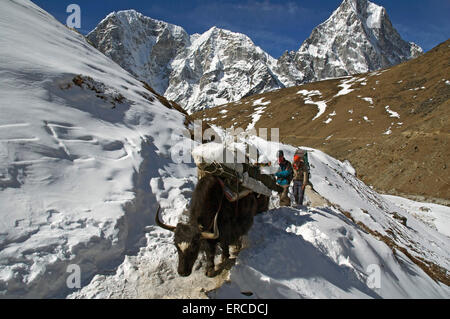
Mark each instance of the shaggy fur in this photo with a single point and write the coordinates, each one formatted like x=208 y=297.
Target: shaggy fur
x=234 y=221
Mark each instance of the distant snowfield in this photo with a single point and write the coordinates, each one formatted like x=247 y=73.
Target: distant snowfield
x=84 y=167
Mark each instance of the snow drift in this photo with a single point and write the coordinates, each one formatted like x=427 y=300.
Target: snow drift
x=80 y=139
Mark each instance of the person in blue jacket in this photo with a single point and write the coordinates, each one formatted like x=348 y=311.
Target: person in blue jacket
x=284 y=177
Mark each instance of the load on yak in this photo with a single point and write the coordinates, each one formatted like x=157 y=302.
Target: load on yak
x=229 y=193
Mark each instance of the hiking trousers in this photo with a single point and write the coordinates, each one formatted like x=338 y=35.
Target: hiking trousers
x=298 y=192
x=284 y=196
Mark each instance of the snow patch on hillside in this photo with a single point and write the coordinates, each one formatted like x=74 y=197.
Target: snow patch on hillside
x=345 y=87
x=391 y=113
x=333 y=258
x=321 y=105
x=259 y=111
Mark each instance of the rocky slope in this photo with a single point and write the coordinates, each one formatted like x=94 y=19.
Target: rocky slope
x=219 y=66
x=142 y=46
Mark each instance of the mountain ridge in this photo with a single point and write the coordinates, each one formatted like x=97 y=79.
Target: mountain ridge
x=232 y=66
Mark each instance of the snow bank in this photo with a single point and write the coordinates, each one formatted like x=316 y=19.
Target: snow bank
x=328 y=258
x=259 y=111
x=80 y=139
x=86 y=159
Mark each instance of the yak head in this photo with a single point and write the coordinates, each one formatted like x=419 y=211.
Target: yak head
x=187 y=241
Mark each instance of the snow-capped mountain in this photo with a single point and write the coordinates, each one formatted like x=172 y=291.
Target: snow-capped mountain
x=143 y=46
x=197 y=72
x=221 y=66
x=357 y=38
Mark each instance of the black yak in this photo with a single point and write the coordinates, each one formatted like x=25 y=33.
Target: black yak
x=213 y=220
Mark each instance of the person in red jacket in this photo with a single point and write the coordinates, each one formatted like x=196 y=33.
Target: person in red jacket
x=300 y=177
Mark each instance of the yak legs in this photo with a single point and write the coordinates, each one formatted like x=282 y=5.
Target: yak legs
x=228 y=257
x=210 y=251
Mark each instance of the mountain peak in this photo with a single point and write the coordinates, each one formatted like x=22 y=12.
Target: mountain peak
x=357 y=38
x=357 y=6
x=367 y=12
x=141 y=45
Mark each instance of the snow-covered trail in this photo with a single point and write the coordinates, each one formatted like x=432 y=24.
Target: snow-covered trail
x=151 y=274
x=312 y=252
x=330 y=258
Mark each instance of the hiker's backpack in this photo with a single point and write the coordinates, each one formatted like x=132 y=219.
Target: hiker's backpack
x=304 y=153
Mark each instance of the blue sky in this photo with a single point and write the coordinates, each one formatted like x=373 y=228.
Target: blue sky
x=274 y=25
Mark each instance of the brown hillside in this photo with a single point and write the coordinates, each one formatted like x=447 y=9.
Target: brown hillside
x=407 y=156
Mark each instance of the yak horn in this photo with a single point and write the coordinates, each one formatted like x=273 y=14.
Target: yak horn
x=215 y=235
x=162 y=225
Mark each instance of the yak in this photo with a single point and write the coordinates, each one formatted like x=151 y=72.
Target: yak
x=213 y=220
